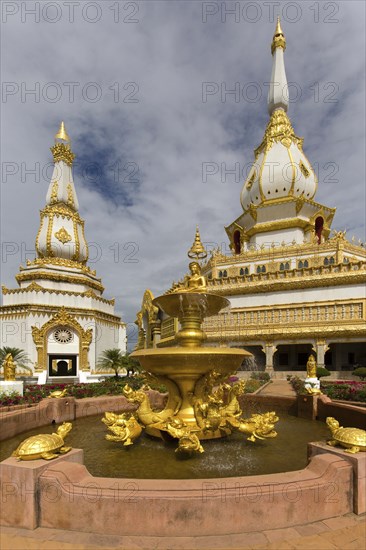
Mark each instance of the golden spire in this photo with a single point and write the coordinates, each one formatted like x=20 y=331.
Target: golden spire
x=62 y=134
x=62 y=151
x=279 y=40
x=197 y=249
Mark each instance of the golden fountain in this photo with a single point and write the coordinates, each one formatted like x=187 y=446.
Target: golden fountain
x=201 y=404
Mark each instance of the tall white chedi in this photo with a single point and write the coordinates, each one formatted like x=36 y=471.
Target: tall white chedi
x=61 y=234
x=58 y=314
x=277 y=197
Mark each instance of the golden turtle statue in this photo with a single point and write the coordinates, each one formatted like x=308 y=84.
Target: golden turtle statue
x=57 y=394
x=352 y=439
x=46 y=446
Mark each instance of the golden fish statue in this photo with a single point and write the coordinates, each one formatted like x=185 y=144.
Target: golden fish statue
x=46 y=446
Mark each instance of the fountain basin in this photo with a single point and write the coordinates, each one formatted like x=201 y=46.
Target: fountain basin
x=179 y=361
x=184 y=367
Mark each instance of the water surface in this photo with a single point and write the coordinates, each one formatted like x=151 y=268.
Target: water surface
x=151 y=458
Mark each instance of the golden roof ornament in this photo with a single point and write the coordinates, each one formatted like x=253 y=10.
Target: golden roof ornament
x=62 y=134
x=197 y=250
x=279 y=40
x=62 y=151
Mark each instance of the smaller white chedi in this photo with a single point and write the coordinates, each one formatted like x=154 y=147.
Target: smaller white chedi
x=60 y=316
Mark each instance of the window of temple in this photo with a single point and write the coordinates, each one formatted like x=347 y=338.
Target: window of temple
x=220 y=273
x=284 y=266
x=301 y=264
x=346 y=260
x=261 y=268
x=237 y=243
x=319 y=225
x=331 y=260
x=326 y=261
x=306 y=263
x=224 y=273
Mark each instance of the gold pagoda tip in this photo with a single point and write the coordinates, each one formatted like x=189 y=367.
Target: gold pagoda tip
x=278 y=26
x=279 y=40
x=62 y=134
x=197 y=249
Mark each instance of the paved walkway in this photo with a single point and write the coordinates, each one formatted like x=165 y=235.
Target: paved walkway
x=344 y=533
x=278 y=387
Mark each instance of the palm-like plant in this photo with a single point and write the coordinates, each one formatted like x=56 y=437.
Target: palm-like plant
x=20 y=357
x=115 y=360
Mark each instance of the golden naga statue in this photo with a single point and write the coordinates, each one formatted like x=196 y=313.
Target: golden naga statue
x=124 y=427
x=9 y=367
x=258 y=426
x=352 y=440
x=46 y=446
x=188 y=440
x=311 y=367
x=144 y=411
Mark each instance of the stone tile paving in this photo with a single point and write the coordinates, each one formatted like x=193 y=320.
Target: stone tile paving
x=346 y=533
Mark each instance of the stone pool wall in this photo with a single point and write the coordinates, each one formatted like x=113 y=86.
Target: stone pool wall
x=63 y=495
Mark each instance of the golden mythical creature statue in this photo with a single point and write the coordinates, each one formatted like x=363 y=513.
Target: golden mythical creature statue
x=57 y=394
x=9 y=367
x=144 y=411
x=352 y=439
x=46 y=446
x=188 y=440
x=124 y=427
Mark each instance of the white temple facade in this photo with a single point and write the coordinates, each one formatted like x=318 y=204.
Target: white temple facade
x=295 y=286
x=58 y=314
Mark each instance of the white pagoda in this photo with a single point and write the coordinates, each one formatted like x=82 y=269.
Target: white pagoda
x=58 y=314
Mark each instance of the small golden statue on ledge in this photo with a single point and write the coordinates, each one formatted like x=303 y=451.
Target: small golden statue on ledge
x=312 y=382
x=9 y=367
x=311 y=367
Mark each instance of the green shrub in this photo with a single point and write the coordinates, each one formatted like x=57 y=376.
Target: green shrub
x=322 y=371
x=360 y=372
x=298 y=384
x=260 y=375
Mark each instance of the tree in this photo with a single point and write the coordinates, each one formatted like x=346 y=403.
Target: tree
x=20 y=357
x=115 y=360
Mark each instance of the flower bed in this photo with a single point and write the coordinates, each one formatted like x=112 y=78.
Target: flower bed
x=345 y=390
x=342 y=390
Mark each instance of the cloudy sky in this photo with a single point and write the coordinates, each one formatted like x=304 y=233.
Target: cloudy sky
x=143 y=90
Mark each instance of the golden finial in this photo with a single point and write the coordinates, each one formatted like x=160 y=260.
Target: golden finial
x=62 y=151
x=62 y=134
x=197 y=249
x=279 y=40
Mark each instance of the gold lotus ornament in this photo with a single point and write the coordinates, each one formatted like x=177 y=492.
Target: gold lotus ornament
x=63 y=236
